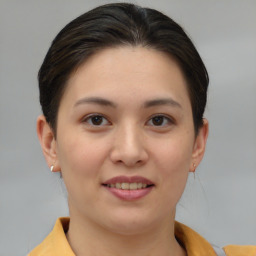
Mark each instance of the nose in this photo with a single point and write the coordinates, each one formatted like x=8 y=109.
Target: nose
x=128 y=146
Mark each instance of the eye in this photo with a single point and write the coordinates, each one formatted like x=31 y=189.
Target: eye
x=96 y=120
x=160 y=120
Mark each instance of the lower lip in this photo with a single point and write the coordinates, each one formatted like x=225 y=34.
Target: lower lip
x=129 y=195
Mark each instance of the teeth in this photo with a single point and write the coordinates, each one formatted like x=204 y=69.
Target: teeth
x=127 y=186
x=133 y=186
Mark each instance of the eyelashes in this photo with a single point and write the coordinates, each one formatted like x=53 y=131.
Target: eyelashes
x=96 y=120
x=99 y=120
x=160 y=121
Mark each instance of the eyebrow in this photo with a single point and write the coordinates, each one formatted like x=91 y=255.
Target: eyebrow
x=159 y=102
x=95 y=100
x=147 y=104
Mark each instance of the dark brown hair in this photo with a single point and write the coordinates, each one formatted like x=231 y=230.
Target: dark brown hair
x=115 y=25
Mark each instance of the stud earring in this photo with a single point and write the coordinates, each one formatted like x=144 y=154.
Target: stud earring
x=52 y=167
x=194 y=170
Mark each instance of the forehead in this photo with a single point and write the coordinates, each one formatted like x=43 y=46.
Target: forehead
x=125 y=71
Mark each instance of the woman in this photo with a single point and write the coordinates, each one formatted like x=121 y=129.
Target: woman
x=123 y=92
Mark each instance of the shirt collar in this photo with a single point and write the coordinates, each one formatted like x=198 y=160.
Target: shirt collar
x=56 y=242
x=192 y=242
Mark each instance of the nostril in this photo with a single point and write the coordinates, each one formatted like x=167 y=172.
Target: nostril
x=128 y=154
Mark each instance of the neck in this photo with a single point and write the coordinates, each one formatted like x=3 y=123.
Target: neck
x=87 y=238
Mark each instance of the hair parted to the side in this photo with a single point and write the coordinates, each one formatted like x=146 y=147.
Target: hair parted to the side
x=112 y=25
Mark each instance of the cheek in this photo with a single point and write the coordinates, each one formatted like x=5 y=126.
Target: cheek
x=175 y=170
x=173 y=161
x=174 y=155
x=81 y=162
x=81 y=157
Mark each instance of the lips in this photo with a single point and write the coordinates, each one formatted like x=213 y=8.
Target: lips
x=129 y=188
x=132 y=179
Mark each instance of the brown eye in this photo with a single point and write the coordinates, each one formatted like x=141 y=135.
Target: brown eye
x=96 y=120
x=157 y=120
x=160 y=120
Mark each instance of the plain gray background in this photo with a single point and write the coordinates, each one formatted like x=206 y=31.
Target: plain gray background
x=220 y=203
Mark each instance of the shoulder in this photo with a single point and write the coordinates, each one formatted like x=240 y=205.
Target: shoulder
x=195 y=244
x=240 y=250
x=55 y=244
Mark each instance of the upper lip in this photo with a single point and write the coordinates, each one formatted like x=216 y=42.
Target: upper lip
x=127 y=179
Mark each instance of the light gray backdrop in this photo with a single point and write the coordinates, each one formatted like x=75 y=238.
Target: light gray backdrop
x=220 y=203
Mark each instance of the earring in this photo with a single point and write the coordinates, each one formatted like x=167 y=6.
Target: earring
x=194 y=170
x=52 y=167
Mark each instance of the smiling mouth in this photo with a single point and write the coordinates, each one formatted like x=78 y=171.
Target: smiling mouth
x=128 y=186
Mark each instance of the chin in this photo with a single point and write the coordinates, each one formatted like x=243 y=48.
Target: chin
x=129 y=224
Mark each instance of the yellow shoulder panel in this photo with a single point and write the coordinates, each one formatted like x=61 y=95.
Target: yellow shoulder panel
x=240 y=250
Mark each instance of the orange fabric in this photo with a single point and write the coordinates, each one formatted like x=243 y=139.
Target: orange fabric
x=240 y=250
x=194 y=244
x=56 y=244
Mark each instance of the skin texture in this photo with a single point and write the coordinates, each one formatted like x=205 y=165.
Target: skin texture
x=127 y=141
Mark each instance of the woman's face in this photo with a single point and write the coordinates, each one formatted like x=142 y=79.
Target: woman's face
x=125 y=122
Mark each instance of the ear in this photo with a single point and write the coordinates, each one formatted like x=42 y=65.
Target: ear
x=48 y=142
x=199 y=146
